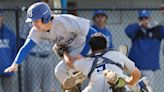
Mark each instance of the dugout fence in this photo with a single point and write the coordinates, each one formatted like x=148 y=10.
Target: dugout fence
x=118 y=19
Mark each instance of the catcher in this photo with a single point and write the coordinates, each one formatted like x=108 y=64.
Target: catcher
x=104 y=68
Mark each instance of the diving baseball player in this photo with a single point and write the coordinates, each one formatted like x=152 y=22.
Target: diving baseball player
x=106 y=65
x=64 y=29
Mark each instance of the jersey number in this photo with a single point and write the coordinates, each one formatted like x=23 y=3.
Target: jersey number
x=100 y=68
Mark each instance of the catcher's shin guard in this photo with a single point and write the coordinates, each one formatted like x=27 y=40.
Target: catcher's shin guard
x=145 y=85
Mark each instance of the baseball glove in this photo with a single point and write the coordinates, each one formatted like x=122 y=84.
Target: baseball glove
x=73 y=80
x=113 y=79
x=59 y=49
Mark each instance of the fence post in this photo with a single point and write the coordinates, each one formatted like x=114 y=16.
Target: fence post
x=18 y=40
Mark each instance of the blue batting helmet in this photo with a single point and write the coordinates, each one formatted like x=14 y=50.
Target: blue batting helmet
x=143 y=13
x=39 y=10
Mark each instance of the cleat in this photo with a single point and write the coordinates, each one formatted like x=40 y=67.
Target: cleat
x=145 y=85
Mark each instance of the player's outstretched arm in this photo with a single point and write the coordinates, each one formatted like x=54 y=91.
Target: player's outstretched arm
x=12 y=68
x=25 y=49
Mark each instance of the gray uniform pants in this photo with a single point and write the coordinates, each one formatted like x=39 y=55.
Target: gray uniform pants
x=9 y=84
x=40 y=76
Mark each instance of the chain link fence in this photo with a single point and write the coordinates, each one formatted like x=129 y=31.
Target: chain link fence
x=118 y=19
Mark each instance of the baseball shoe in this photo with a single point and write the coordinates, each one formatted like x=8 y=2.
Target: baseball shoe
x=123 y=49
x=145 y=85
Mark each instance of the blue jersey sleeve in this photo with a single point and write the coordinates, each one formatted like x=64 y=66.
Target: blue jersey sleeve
x=111 y=42
x=24 y=50
x=162 y=31
x=109 y=37
x=131 y=30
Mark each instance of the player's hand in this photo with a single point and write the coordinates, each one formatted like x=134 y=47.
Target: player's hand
x=143 y=24
x=128 y=79
x=68 y=59
x=59 y=49
x=12 y=68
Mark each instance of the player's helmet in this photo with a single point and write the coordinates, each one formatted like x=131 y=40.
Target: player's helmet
x=39 y=10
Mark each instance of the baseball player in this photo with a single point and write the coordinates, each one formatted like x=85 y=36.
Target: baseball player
x=38 y=62
x=100 y=19
x=110 y=60
x=64 y=29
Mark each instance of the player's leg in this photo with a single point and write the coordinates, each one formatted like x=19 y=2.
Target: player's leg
x=150 y=75
x=123 y=49
x=10 y=84
x=146 y=82
x=34 y=73
x=61 y=71
x=145 y=85
x=48 y=80
x=1 y=86
x=141 y=86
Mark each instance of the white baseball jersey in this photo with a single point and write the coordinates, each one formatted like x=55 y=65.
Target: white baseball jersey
x=66 y=29
x=115 y=56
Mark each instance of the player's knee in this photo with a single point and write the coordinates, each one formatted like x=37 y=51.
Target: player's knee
x=58 y=70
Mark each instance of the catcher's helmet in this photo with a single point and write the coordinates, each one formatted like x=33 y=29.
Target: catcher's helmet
x=39 y=10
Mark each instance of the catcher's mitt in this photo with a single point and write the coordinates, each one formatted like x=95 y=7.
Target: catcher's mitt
x=113 y=79
x=59 y=49
x=73 y=80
